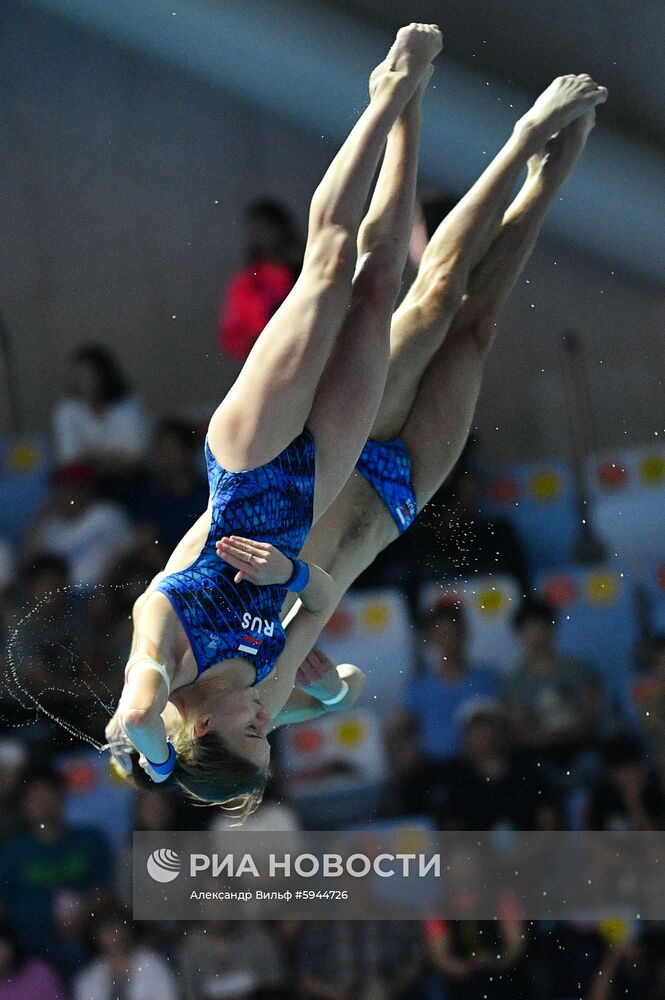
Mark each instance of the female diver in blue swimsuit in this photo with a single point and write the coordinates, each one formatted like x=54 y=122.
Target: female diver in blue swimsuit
x=201 y=685
x=440 y=340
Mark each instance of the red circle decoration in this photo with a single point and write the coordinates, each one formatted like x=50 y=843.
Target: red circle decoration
x=612 y=475
x=504 y=492
x=340 y=624
x=80 y=777
x=561 y=591
x=307 y=740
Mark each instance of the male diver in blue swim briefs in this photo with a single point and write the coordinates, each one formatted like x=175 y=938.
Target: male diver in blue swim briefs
x=441 y=337
x=202 y=685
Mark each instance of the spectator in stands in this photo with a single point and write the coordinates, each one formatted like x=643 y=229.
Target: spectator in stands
x=255 y=293
x=478 y=958
x=633 y=966
x=553 y=701
x=153 y=810
x=563 y=958
x=346 y=960
x=628 y=795
x=110 y=612
x=124 y=968
x=23 y=977
x=57 y=632
x=77 y=526
x=172 y=495
x=649 y=692
x=428 y=725
x=99 y=421
x=487 y=786
x=50 y=876
x=230 y=959
x=13 y=764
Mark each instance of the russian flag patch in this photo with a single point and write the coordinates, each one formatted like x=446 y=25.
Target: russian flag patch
x=249 y=644
x=405 y=512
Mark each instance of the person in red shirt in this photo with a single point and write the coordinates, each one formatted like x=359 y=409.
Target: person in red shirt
x=256 y=292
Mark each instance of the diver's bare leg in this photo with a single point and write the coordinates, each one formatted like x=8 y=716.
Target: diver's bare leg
x=352 y=385
x=272 y=397
x=460 y=242
x=446 y=399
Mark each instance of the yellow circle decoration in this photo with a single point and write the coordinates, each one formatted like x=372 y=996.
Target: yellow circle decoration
x=602 y=588
x=350 y=733
x=546 y=486
x=491 y=601
x=615 y=931
x=410 y=840
x=23 y=458
x=652 y=470
x=376 y=616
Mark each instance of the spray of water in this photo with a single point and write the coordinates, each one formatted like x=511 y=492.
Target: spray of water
x=82 y=684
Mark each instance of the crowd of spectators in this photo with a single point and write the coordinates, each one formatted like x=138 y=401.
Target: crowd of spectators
x=470 y=747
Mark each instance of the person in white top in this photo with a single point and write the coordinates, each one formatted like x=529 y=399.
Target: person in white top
x=100 y=422
x=124 y=968
x=90 y=534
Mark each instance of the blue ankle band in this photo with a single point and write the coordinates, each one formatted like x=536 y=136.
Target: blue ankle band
x=299 y=578
x=167 y=765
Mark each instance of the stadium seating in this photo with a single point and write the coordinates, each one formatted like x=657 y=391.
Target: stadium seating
x=627 y=488
x=597 y=619
x=373 y=629
x=336 y=766
x=95 y=796
x=490 y=603
x=24 y=474
x=539 y=501
x=652 y=580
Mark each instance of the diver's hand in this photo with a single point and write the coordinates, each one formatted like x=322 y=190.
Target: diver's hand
x=114 y=732
x=318 y=676
x=258 y=562
x=117 y=741
x=152 y=774
x=145 y=730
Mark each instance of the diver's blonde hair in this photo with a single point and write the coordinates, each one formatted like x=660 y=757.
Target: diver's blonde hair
x=210 y=774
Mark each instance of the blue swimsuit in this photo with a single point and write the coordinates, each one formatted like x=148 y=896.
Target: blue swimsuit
x=273 y=503
x=386 y=465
